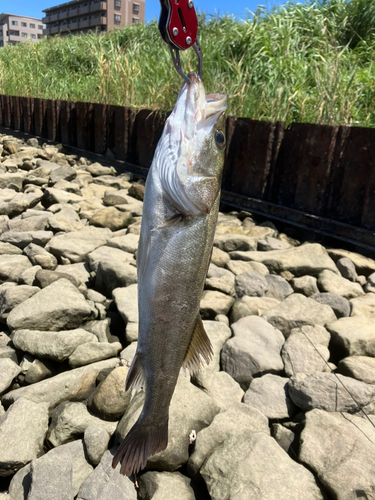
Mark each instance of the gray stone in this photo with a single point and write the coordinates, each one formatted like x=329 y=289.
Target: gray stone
x=11 y=147
x=53 y=195
x=369 y=286
x=80 y=272
x=214 y=303
x=65 y=173
x=218 y=272
x=219 y=257
x=183 y=417
x=107 y=253
x=12 y=267
x=347 y=269
x=111 y=218
x=126 y=300
x=233 y=242
x=58 y=306
x=9 y=249
x=253 y=351
x=126 y=243
x=306 y=350
x=13 y=296
x=99 y=328
x=119 y=197
x=340 y=305
x=364 y=305
x=95 y=296
x=353 y=336
x=239 y=266
x=9 y=371
x=114 y=274
x=307 y=285
x=251 y=306
x=270 y=243
x=254 y=467
x=40 y=257
x=44 y=277
x=65 y=220
x=252 y=284
x=238 y=420
x=223 y=284
x=57 y=346
x=13 y=203
x=96 y=169
x=22 y=431
x=309 y=258
x=269 y=395
x=283 y=436
x=12 y=181
x=339 y=449
x=328 y=281
x=363 y=265
x=23 y=238
x=28 y=276
x=85 y=354
x=77 y=244
x=51 y=478
x=96 y=440
x=277 y=287
x=34 y=370
x=77 y=384
x=37 y=222
x=329 y=392
x=298 y=310
x=19 y=486
x=7 y=352
x=106 y=483
x=221 y=388
x=165 y=486
x=70 y=187
x=359 y=367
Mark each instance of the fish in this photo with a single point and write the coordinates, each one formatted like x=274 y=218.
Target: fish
x=180 y=211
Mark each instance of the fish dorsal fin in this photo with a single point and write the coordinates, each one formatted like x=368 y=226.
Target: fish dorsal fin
x=135 y=378
x=199 y=350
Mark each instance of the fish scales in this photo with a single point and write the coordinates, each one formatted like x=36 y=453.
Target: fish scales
x=180 y=212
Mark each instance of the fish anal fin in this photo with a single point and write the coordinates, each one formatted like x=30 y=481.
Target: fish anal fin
x=199 y=350
x=135 y=377
x=140 y=443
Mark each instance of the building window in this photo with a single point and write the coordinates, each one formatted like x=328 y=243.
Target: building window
x=117 y=18
x=1 y=43
x=40 y=26
x=24 y=35
x=40 y=36
x=33 y=36
x=1 y=32
x=14 y=23
x=135 y=20
x=14 y=33
x=135 y=9
x=117 y=4
x=24 y=25
x=32 y=25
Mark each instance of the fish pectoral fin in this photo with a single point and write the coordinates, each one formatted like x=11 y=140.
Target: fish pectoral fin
x=199 y=350
x=135 y=378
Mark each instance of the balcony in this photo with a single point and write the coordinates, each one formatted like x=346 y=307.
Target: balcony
x=97 y=21
x=64 y=28
x=63 y=15
x=73 y=25
x=95 y=6
x=47 y=31
x=84 y=24
x=46 y=19
x=54 y=30
x=73 y=11
x=54 y=17
x=84 y=9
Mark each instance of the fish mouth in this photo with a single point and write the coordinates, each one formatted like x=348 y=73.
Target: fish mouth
x=209 y=105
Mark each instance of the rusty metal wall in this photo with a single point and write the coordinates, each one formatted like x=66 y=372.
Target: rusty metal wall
x=316 y=176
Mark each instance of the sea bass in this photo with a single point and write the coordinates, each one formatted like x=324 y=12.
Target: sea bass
x=180 y=211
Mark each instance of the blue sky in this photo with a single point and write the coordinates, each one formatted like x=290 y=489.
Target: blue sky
x=33 y=8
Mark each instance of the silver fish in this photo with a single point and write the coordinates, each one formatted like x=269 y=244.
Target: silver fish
x=179 y=217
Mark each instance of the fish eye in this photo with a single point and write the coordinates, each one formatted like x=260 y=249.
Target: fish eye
x=220 y=139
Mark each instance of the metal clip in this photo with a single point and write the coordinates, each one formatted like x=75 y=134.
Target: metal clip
x=178 y=26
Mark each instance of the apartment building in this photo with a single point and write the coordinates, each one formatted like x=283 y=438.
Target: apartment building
x=80 y=16
x=18 y=29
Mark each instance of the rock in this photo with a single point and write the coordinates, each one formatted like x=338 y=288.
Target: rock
x=99 y=328
x=363 y=265
x=347 y=269
x=127 y=354
x=28 y=276
x=114 y=274
x=328 y=281
x=214 y=303
x=38 y=256
x=95 y=169
x=7 y=352
x=96 y=440
x=12 y=267
x=77 y=384
x=353 y=336
x=58 y=306
x=309 y=258
x=359 y=367
x=70 y=187
x=13 y=296
x=65 y=173
x=298 y=310
x=34 y=370
x=251 y=306
x=306 y=350
x=22 y=431
x=137 y=190
x=126 y=300
x=110 y=400
x=223 y=284
x=65 y=220
x=307 y=285
x=106 y=483
x=70 y=420
x=119 y=197
x=238 y=420
x=165 y=486
x=370 y=285
x=107 y=253
x=277 y=287
x=11 y=147
x=127 y=243
x=329 y=392
x=111 y=218
x=221 y=388
x=9 y=249
x=269 y=395
x=251 y=284
x=45 y=277
x=80 y=273
x=15 y=203
x=76 y=245
x=53 y=195
x=338 y=448
x=57 y=346
x=340 y=305
x=43 y=487
x=219 y=257
x=37 y=222
x=23 y=238
x=233 y=242
x=253 y=351
x=239 y=266
x=270 y=243
x=12 y=181
x=85 y=354
x=253 y=467
x=284 y=437
x=364 y=306
x=9 y=371
x=183 y=417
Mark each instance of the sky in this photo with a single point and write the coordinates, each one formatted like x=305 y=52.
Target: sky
x=33 y=8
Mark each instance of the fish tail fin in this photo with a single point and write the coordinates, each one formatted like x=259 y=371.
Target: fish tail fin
x=141 y=442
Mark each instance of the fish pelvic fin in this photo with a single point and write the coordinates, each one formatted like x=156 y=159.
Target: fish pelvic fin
x=141 y=442
x=199 y=350
x=135 y=378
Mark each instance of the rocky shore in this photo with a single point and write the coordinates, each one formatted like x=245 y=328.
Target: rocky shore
x=285 y=410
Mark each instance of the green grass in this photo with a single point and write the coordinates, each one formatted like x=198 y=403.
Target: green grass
x=312 y=62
